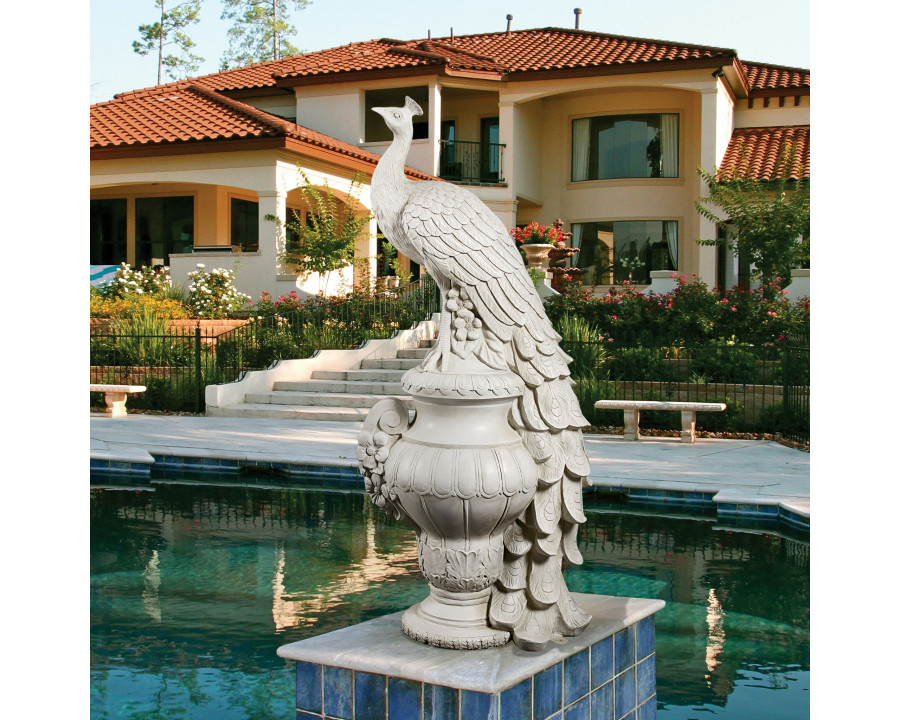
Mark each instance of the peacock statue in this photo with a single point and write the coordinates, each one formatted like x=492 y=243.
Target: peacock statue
x=491 y=312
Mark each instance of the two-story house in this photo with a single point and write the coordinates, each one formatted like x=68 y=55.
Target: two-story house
x=603 y=131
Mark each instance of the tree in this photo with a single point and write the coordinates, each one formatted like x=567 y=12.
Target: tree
x=260 y=31
x=327 y=240
x=170 y=30
x=770 y=218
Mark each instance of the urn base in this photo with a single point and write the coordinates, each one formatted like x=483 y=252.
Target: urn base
x=453 y=620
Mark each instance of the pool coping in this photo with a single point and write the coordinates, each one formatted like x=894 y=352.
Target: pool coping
x=732 y=506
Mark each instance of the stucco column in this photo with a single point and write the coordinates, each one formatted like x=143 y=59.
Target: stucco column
x=434 y=122
x=271 y=234
x=716 y=121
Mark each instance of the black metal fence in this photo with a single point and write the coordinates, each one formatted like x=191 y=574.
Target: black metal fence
x=765 y=388
x=176 y=364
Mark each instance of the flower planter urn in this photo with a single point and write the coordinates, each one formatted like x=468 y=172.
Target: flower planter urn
x=537 y=254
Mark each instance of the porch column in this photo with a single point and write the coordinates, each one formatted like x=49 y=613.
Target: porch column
x=434 y=122
x=717 y=114
x=271 y=235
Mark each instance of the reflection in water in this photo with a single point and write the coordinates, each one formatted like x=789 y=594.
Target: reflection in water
x=194 y=587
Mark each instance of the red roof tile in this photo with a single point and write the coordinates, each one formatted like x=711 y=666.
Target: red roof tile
x=755 y=152
x=514 y=52
x=761 y=77
x=186 y=111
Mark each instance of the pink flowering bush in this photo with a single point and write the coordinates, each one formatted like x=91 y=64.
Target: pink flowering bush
x=690 y=315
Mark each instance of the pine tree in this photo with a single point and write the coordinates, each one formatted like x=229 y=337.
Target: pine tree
x=169 y=31
x=260 y=31
x=770 y=218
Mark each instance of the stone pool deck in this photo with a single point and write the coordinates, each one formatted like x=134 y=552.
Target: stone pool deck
x=739 y=478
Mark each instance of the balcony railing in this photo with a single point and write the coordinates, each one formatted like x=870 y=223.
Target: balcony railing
x=472 y=163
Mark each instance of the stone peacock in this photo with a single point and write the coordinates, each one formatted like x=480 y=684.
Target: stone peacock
x=493 y=315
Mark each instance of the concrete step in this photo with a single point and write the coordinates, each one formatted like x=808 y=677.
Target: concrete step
x=317 y=399
x=419 y=352
x=392 y=376
x=340 y=386
x=294 y=412
x=390 y=364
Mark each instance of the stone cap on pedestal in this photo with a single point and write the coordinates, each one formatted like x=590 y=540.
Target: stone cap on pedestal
x=379 y=646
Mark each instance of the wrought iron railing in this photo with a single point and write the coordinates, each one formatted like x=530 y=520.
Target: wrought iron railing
x=176 y=365
x=472 y=163
x=751 y=381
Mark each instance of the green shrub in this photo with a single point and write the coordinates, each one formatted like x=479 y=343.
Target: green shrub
x=726 y=361
x=585 y=345
x=640 y=363
x=732 y=419
x=213 y=295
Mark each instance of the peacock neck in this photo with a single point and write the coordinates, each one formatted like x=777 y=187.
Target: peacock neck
x=389 y=180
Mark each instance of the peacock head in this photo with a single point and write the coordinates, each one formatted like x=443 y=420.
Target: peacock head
x=399 y=119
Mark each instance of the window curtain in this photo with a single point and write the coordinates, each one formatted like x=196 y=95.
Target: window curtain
x=670 y=228
x=581 y=130
x=668 y=125
x=577 y=230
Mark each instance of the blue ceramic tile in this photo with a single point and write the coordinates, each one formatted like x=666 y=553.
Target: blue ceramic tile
x=625 y=693
x=646 y=637
x=576 y=676
x=515 y=703
x=440 y=703
x=338 y=692
x=309 y=686
x=601 y=662
x=547 y=692
x=629 y=716
x=624 y=642
x=603 y=701
x=301 y=715
x=477 y=706
x=369 y=696
x=646 y=678
x=580 y=710
x=404 y=699
x=647 y=711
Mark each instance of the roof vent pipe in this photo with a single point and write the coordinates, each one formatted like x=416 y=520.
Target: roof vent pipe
x=577 y=18
x=429 y=33
x=508 y=23
x=451 y=34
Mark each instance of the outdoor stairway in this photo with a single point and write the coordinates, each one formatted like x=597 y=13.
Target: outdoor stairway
x=339 y=396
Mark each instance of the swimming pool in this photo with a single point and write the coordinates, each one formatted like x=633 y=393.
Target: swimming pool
x=194 y=586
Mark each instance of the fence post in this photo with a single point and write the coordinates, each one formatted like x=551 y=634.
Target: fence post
x=197 y=369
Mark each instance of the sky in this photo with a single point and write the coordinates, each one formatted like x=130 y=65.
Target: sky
x=115 y=67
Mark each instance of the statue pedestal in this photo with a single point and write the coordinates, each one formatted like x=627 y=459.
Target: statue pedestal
x=373 y=671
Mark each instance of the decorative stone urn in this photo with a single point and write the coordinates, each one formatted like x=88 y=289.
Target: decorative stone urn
x=537 y=254
x=459 y=475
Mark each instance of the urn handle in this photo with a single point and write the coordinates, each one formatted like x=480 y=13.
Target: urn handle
x=382 y=428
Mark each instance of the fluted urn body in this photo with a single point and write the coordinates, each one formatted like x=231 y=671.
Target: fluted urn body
x=460 y=475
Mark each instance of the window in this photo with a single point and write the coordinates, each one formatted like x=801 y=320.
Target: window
x=625 y=146
x=108 y=235
x=490 y=148
x=377 y=130
x=245 y=224
x=612 y=252
x=163 y=225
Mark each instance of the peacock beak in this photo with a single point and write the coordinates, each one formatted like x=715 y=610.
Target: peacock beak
x=381 y=111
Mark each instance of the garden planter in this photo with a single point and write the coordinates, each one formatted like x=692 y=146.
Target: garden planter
x=537 y=254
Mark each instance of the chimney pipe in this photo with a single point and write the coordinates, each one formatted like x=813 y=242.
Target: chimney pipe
x=508 y=23
x=429 y=33
x=577 y=18
x=451 y=34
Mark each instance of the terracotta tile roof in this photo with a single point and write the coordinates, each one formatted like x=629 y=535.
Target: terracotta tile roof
x=756 y=150
x=185 y=112
x=761 y=77
x=515 y=52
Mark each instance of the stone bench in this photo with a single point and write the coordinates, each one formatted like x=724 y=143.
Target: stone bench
x=115 y=396
x=633 y=409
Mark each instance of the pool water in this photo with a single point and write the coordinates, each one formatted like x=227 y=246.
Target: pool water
x=195 y=586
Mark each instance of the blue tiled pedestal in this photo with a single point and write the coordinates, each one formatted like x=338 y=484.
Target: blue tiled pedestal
x=372 y=671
